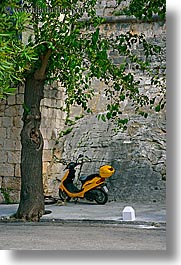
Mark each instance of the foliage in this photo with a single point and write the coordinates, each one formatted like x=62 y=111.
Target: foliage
x=62 y=133
x=15 y=57
x=146 y=9
x=5 y=192
x=70 y=31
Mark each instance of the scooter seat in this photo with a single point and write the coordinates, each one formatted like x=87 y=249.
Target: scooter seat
x=82 y=178
x=85 y=178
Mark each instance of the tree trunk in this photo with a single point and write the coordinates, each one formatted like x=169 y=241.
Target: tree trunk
x=31 y=205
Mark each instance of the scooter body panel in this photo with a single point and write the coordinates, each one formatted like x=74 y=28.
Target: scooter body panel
x=88 y=185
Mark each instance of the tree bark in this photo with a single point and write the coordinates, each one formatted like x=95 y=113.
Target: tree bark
x=31 y=205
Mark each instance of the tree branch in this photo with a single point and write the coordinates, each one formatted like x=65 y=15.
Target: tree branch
x=40 y=73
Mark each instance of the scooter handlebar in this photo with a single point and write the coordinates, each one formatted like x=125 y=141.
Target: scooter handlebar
x=72 y=165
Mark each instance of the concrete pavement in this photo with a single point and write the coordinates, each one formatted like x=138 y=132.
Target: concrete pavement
x=82 y=211
x=80 y=236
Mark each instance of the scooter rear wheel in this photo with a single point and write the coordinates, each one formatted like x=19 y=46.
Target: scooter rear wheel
x=63 y=196
x=100 y=196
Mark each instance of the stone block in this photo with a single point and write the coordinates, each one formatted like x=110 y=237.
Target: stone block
x=45 y=167
x=9 y=145
x=21 y=89
x=111 y=3
x=100 y=12
x=7 y=170
x=14 y=196
x=1 y=178
x=17 y=122
x=44 y=112
x=17 y=145
x=1 y=144
x=45 y=144
x=14 y=157
x=13 y=133
x=58 y=123
x=3 y=156
x=43 y=130
x=57 y=169
x=53 y=103
x=11 y=111
x=48 y=144
x=11 y=100
x=60 y=103
x=12 y=183
x=46 y=102
x=17 y=170
x=49 y=133
x=19 y=99
x=2 y=133
x=47 y=155
x=128 y=214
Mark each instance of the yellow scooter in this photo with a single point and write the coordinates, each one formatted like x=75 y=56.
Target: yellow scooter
x=93 y=187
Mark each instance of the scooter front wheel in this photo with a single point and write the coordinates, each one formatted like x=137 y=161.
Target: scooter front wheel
x=100 y=196
x=63 y=196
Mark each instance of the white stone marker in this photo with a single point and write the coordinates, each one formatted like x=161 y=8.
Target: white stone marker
x=128 y=213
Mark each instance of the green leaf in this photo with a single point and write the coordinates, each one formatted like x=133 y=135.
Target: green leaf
x=26 y=109
x=157 y=108
x=103 y=117
x=123 y=121
x=109 y=115
x=95 y=36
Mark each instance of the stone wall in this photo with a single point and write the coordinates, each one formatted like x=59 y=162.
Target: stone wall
x=11 y=112
x=10 y=127
x=138 y=155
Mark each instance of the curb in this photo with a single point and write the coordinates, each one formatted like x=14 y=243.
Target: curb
x=96 y=222
x=104 y=222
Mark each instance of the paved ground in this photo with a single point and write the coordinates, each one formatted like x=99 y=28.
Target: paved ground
x=86 y=226
x=82 y=211
x=79 y=236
